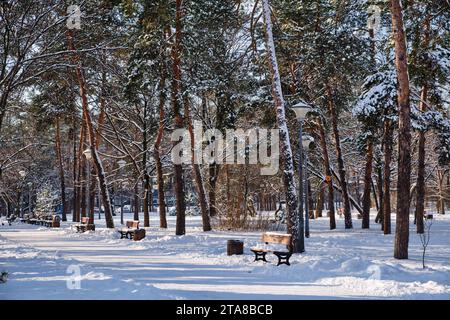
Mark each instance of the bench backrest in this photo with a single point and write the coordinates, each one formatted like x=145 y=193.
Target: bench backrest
x=86 y=220
x=132 y=224
x=277 y=238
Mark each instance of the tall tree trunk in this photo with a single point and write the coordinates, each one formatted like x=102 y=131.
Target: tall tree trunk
x=80 y=165
x=87 y=116
x=61 y=170
x=328 y=174
x=441 y=198
x=285 y=144
x=147 y=199
x=212 y=170
x=196 y=170
x=19 y=204
x=156 y=151
x=404 y=133
x=387 y=143
x=319 y=204
x=420 y=187
x=147 y=185
x=84 y=187
x=180 y=228
x=92 y=192
x=366 y=202
x=375 y=197
x=98 y=140
x=340 y=160
x=380 y=213
x=136 y=202
x=74 y=176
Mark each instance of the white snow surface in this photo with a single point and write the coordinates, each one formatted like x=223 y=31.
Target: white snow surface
x=338 y=264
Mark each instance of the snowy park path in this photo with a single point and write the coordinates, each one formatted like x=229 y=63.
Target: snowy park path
x=338 y=264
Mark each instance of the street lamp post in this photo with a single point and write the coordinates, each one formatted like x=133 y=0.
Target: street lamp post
x=121 y=164
x=306 y=143
x=22 y=174
x=29 y=184
x=300 y=109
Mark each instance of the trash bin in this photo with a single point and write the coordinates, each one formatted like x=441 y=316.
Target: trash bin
x=56 y=221
x=235 y=247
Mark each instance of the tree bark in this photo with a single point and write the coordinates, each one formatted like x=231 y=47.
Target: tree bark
x=156 y=152
x=212 y=174
x=74 y=177
x=441 y=198
x=285 y=144
x=84 y=186
x=366 y=202
x=326 y=164
x=319 y=204
x=340 y=160
x=380 y=213
x=147 y=185
x=92 y=192
x=387 y=175
x=196 y=170
x=136 y=202
x=95 y=157
x=180 y=228
x=61 y=170
x=404 y=133
x=420 y=186
x=78 y=171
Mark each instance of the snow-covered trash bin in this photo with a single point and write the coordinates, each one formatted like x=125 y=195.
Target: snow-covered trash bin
x=235 y=247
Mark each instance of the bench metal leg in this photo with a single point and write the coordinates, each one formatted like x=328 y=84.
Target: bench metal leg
x=283 y=256
x=260 y=255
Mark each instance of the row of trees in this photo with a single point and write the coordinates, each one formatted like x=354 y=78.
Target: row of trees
x=92 y=110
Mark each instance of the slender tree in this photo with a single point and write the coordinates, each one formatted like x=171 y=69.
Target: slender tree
x=87 y=117
x=404 y=134
x=285 y=144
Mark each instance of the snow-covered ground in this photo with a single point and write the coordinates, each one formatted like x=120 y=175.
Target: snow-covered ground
x=343 y=264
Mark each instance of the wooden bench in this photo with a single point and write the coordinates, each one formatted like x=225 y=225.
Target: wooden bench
x=271 y=237
x=26 y=218
x=53 y=221
x=132 y=231
x=11 y=219
x=86 y=224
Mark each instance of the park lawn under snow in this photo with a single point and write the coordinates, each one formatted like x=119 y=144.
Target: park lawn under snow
x=337 y=264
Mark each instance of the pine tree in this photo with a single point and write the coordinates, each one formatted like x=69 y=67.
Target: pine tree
x=285 y=144
x=404 y=135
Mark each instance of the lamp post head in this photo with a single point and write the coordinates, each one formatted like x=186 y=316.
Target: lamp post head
x=307 y=141
x=301 y=109
x=88 y=153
